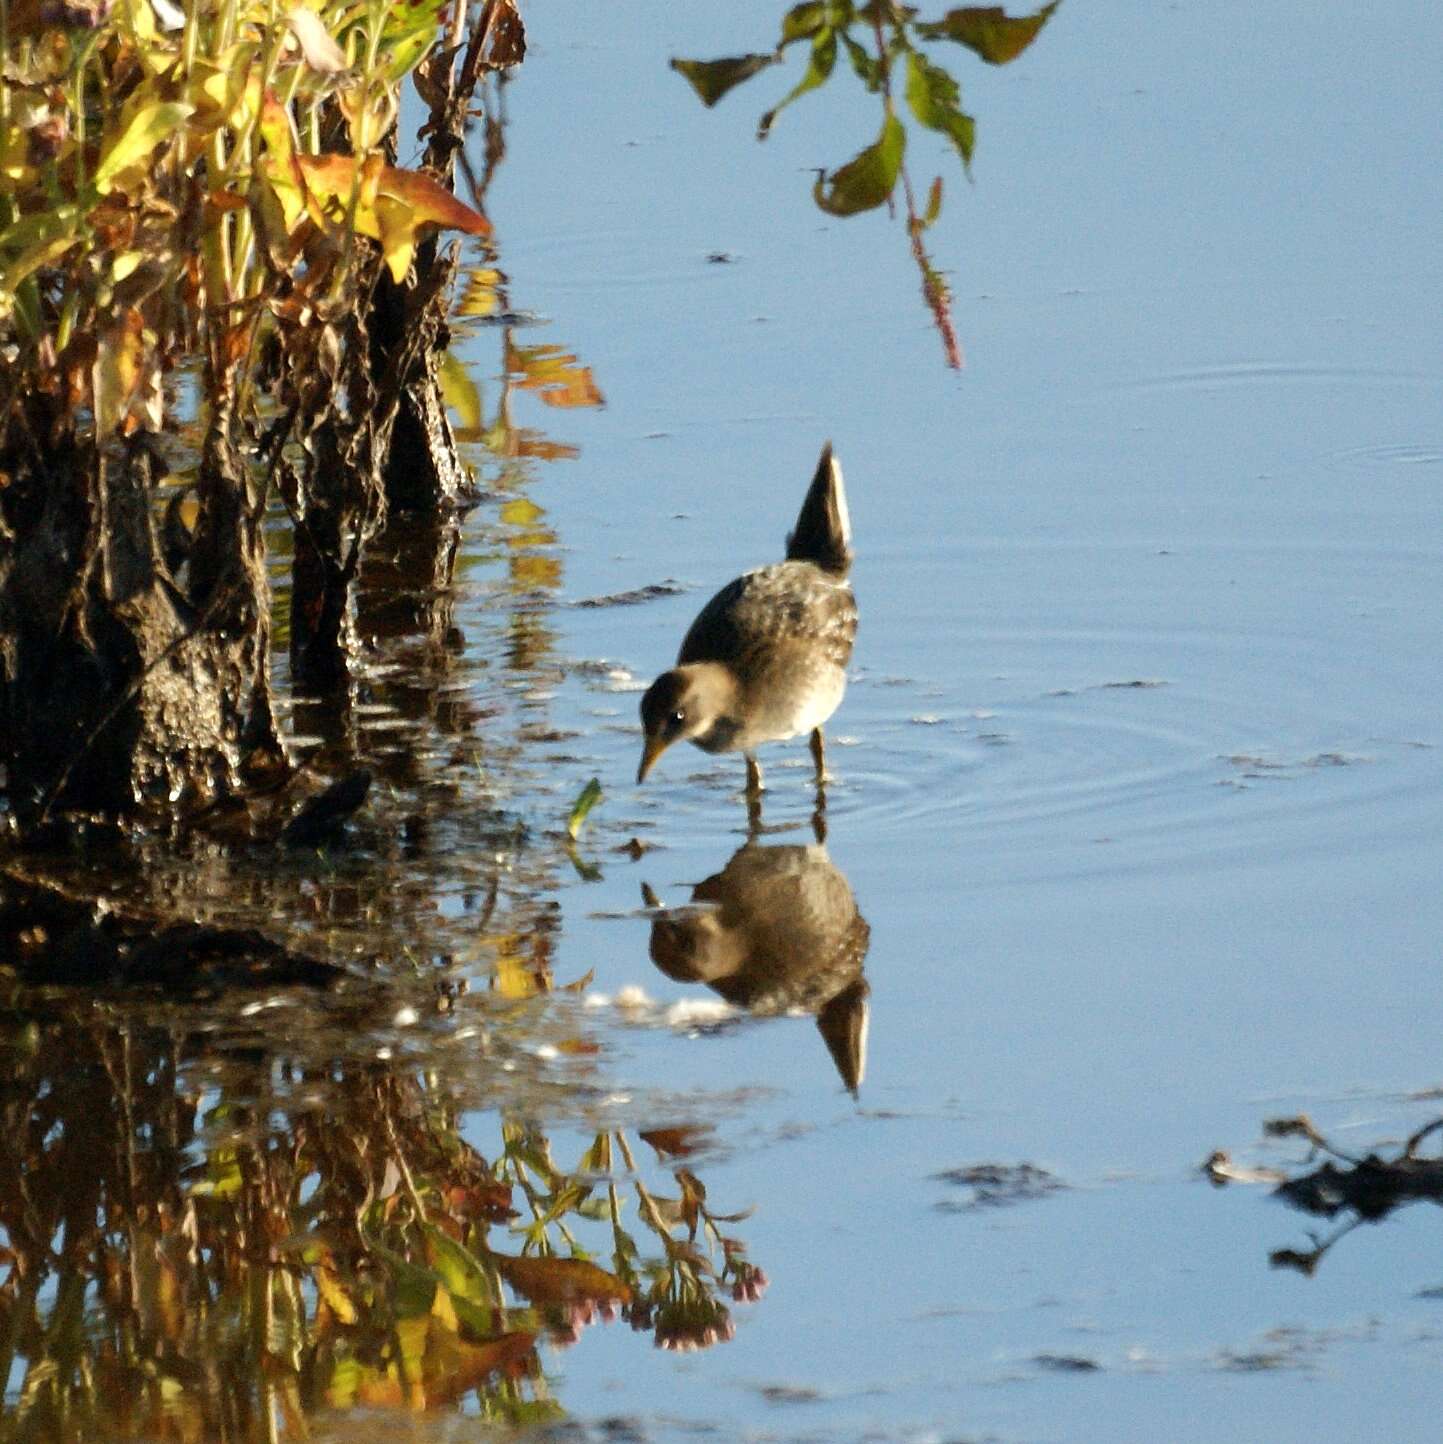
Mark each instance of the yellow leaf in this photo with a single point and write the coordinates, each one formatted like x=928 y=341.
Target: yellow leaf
x=482 y=295
x=147 y=128
x=412 y=1335
x=442 y=1310
x=459 y=391
x=432 y=202
x=392 y=205
x=331 y=181
x=124 y=264
x=14 y=154
x=279 y=165
x=339 y=1301
x=368 y=116
x=521 y=511
x=117 y=370
x=25 y=264
x=398 y=227
x=230 y=88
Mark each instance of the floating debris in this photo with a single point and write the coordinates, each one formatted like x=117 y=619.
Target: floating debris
x=996 y=1185
x=632 y=598
x=1066 y=1364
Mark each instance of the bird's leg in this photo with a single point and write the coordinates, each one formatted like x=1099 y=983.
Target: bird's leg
x=819 y=756
x=754 y=795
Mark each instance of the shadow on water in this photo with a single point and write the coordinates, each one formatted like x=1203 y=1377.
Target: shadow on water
x=1350 y=1188
x=776 y=931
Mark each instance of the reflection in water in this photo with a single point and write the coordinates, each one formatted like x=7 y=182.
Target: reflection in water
x=217 y=1220
x=202 y=1237
x=777 y=930
x=1364 y=1189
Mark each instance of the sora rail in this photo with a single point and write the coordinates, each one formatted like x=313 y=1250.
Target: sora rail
x=766 y=658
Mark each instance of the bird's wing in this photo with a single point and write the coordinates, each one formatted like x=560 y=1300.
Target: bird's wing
x=775 y=606
x=715 y=635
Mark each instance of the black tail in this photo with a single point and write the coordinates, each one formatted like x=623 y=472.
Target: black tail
x=843 y=1025
x=824 y=531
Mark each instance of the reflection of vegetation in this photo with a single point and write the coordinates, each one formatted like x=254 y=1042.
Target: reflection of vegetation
x=217 y=1245
x=885 y=46
x=1364 y=1190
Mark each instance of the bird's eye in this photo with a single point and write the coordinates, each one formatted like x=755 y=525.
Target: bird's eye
x=677 y=718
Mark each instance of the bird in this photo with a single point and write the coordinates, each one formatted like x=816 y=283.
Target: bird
x=766 y=659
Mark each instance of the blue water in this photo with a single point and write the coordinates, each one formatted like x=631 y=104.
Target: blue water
x=1196 y=445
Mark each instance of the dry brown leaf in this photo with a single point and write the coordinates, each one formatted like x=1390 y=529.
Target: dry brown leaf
x=562 y=1280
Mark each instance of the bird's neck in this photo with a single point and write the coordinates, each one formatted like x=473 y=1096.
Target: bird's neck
x=718 y=691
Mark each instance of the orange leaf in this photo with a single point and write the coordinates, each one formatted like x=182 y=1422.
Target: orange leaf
x=465 y=1366
x=562 y=1280
x=430 y=201
x=554 y=374
x=392 y=205
x=534 y=444
x=679 y=1142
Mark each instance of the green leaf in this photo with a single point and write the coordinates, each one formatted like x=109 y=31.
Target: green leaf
x=803 y=20
x=589 y=796
x=819 y=68
x=867 y=179
x=711 y=79
x=868 y=67
x=411 y=30
x=988 y=30
x=147 y=128
x=413 y=1289
x=457 y=1267
x=934 y=204
x=934 y=99
x=586 y=871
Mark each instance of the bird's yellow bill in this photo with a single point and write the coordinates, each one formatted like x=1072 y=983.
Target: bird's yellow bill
x=651 y=749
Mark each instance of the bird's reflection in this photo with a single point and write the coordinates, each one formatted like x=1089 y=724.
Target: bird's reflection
x=777 y=930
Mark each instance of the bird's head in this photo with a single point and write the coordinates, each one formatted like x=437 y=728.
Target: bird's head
x=686 y=702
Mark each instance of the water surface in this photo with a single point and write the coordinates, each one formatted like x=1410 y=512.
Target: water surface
x=1139 y=779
